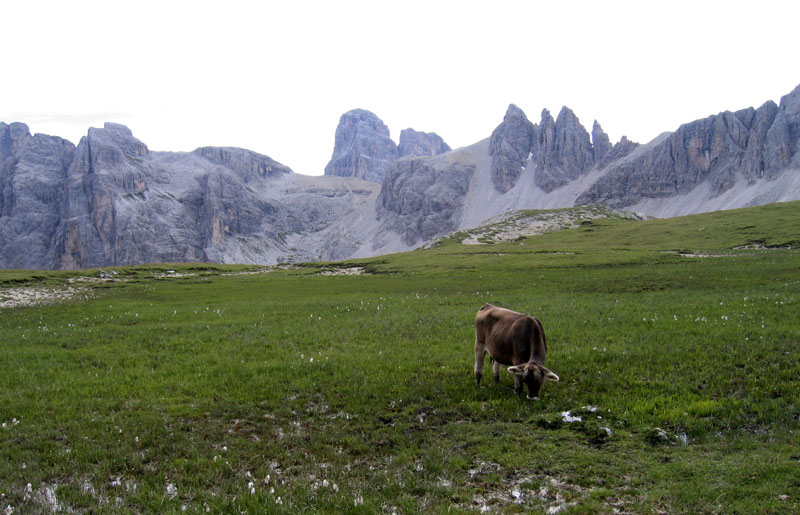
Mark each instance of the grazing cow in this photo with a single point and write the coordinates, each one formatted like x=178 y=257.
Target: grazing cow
x=515 y=340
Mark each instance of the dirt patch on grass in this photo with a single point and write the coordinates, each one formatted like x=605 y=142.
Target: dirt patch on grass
x=35 y=295
x=353 y=270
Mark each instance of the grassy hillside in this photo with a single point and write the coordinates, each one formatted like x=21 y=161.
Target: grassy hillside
x=310 y=388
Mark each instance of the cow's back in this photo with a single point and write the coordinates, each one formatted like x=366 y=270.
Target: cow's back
x=507 y=334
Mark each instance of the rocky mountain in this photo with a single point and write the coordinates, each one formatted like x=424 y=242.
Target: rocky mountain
x=111 y=201
x=556 y=151
x=729 y=160
x=33 y=178
x=723 y=154
x=363 y=148
x=415 y=144
x=422 y=198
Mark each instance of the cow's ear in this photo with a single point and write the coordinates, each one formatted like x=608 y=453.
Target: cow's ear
x=517 y=370
x=550 y=376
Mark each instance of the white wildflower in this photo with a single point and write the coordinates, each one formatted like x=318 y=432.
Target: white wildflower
x=358 y=501
x=172 y=491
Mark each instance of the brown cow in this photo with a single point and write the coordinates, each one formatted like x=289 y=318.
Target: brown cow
x=515 y=340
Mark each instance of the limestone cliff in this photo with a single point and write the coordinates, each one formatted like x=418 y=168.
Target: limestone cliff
x=362 y=147
x=110 y=201
x=719 y=151
x=418 y=144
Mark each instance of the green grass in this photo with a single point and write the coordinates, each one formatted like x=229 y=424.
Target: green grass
x=290 y=391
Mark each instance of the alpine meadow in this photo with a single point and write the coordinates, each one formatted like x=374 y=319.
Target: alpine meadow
x=348 y=387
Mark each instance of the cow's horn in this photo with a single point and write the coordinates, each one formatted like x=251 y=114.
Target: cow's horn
x=551 y=376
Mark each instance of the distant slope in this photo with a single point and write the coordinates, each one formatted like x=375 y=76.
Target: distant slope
x=730 y=160
x=772 y=226
x=516 y=225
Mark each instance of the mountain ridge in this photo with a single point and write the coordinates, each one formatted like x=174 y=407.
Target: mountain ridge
x=111 y=201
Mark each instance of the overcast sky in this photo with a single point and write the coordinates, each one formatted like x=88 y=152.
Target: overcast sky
x=274 y=77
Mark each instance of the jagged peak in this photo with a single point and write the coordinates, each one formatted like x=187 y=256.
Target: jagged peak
x=17 y=127
x=794 y=94
x=625 y=143
x=118 y=135
x=567 y=117
x=598 y=132
x=362 y=115
x=117 y=128
x=362 y=146
x=514 y=111
x=418 y=143
x=790 y=104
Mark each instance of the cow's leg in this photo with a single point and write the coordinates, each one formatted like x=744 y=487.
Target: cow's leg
x=496 y=370
x=480 y=351
x=518 y=384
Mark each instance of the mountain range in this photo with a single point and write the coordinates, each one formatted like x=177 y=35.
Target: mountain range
x=111 y=201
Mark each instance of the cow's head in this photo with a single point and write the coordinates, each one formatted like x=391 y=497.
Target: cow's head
x=533 y=375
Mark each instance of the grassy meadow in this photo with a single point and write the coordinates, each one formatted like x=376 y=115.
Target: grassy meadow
x=303 y=389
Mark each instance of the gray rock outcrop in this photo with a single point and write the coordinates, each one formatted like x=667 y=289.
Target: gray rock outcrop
x=33 y=172
x=601 y=145
x=564 y=152
x=110 y=201
x=510 y=146
x=556 y=151
x=749 y=145
x=422 y=198
x=362 y=147
x=246 y=164
x=419 y=144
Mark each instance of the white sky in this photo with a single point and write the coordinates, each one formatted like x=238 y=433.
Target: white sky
x=274 y=77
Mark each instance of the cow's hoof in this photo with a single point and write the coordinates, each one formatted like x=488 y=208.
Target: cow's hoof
x=533 y=398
